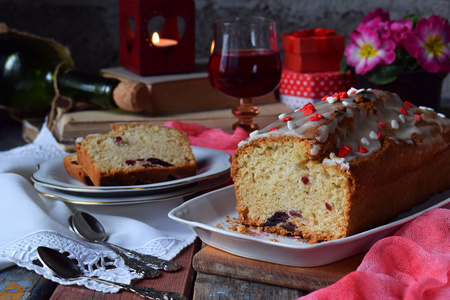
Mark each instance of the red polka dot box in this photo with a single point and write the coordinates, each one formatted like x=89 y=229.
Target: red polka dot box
x=297 y=89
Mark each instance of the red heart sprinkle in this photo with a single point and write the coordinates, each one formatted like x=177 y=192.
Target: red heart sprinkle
x=404 y=111
x=288 y=118
x=407 y=104
x=318 y=116
x=363 y=150
x=273 y=128
x=348 y=148
x=343 y=95
x=381 y=124
x=418 y=116
x=309 y=111
x=342 y=152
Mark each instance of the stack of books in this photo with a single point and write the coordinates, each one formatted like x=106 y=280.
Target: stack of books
x=176 y=97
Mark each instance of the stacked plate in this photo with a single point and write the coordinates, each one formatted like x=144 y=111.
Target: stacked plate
x=52 y=180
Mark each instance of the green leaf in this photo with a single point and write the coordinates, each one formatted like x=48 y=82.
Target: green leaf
x=414 y=18
x=384 y=74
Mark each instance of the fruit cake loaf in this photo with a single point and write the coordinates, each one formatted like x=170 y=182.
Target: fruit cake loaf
x=341 y=166
x=136 y=154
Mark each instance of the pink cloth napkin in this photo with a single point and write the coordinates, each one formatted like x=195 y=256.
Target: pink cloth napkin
x=215 y=138
x=414 y=263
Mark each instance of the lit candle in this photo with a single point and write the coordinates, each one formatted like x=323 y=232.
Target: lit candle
x=162 y=42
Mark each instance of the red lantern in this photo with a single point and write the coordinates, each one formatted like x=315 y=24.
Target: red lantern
x=157 y=36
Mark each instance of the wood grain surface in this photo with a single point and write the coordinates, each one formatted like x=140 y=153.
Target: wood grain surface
x=210 y=260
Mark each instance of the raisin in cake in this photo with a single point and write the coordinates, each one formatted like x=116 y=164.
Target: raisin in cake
x=136 y=154
x=341 y=166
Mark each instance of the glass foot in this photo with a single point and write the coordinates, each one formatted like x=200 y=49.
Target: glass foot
x=246 y=111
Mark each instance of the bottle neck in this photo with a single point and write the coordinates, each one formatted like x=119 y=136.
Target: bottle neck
x=83 y=87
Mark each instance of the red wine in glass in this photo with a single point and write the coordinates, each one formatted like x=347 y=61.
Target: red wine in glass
x=245 y=73
x=244 y=63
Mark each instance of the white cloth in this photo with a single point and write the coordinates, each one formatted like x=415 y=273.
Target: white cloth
x=29 y=220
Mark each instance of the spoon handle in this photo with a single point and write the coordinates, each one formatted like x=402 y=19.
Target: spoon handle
x=139 y=266
x=150 y=260
x=143 y=291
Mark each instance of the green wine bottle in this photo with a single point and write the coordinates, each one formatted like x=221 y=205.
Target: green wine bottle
x=29 y=66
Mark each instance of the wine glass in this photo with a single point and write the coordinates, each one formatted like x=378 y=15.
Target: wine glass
x=244 y=63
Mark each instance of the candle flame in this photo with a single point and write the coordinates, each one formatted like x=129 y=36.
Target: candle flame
x=155 y=38
x=212 y=47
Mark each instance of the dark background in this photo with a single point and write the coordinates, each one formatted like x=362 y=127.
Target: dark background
x=89 y=28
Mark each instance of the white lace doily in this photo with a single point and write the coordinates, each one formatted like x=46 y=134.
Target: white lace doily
x=29 y=220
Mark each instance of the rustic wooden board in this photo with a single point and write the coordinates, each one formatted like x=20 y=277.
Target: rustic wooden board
x=210 y=260
x=20 y=283
x=214 y=287
x=180 y=282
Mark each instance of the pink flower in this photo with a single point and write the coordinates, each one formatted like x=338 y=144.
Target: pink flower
x=399 y=30
x=384 y=16
x=429 y=43
x=367 y=51
x=377 y=21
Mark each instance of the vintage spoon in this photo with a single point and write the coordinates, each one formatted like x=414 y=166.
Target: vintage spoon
x=64 y=267
x=88 y=227
x=138 y=266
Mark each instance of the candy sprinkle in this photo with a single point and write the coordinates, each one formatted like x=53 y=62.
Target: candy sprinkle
x=288 y=118
x=342 y=152
x=365 y=141
x=407 y=104
x=351 y=91
x=403 y=111
x=381 y=124
x=319 y=116
x=373 y=135
x=343 y=95
x=394 y=124
x=274 y=128
x=348 y=147
x=346 y=103
x=291 y=125
x=331 y=99
x=418 y=116
x=363 y=150
x=309 y=111
x=282 y=116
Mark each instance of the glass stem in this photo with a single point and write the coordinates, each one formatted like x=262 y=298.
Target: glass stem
x=246 y=111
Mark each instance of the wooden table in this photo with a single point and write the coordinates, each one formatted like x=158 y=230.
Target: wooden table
x=207 y=273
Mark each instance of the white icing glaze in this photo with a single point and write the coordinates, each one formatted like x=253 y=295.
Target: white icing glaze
x=393 y=119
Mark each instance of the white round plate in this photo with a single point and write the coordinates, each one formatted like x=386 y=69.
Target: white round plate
x=117 y=199
x=210 y=163
x=212 y=216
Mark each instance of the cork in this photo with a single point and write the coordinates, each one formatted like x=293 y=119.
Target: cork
x=131 y=96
